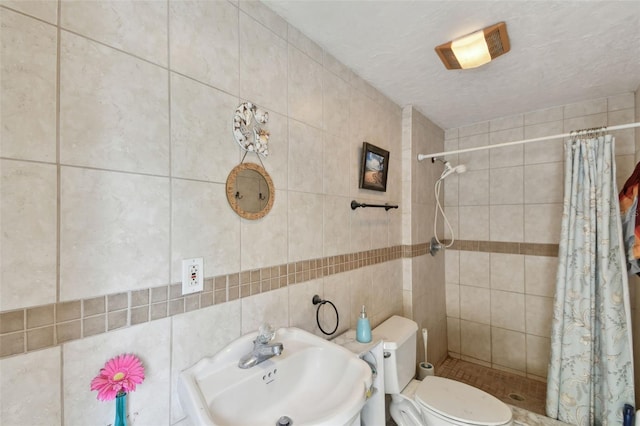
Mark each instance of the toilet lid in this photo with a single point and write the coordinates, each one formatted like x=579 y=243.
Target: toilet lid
x=461 y=402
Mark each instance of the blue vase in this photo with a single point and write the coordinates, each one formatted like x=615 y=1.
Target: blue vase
x=121 y=410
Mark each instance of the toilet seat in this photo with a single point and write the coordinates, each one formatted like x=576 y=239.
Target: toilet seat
x=461 y=403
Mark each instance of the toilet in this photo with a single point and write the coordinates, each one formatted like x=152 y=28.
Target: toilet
x=435 y=401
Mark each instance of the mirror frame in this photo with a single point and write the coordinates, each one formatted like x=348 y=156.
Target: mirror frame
x=231 y=191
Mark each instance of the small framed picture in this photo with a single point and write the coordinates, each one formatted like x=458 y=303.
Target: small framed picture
x=375 y=165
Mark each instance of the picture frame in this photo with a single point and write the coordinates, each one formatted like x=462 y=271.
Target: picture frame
x=374 y=167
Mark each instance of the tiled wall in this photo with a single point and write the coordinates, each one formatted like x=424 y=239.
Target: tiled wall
x=115 y=148
x=424 y=290
x=500 y=298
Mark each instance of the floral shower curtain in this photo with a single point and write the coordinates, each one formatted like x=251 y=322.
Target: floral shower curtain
x=591 y=368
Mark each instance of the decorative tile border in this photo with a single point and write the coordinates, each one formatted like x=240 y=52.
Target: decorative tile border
x=32 y=328
x=531 y=249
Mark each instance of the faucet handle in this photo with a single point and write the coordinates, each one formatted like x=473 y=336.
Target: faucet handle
x=265 y=333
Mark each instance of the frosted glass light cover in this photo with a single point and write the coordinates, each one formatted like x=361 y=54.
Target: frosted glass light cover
x=471 y=51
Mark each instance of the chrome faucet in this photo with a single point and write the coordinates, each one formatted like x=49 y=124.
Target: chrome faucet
x=262 y=349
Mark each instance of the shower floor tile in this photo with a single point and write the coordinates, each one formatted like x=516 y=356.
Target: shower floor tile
x=510 y=388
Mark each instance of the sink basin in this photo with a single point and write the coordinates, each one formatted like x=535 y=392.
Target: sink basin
x=313 y=382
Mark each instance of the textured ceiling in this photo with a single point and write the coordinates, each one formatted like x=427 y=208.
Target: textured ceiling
x=561 y=52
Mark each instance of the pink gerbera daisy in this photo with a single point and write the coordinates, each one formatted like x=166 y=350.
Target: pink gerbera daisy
x=119 y=375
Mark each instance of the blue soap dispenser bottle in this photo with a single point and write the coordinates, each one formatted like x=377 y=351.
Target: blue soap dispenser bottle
x=363 y=331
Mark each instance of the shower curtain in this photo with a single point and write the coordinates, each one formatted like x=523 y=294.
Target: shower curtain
x=591 y=368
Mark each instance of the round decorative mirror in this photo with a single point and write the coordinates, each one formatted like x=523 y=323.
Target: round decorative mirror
x=250 y=191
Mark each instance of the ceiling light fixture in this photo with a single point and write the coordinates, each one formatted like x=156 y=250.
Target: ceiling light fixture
x=475 y=49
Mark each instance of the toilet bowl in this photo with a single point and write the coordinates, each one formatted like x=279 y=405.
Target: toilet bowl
x=436 y=401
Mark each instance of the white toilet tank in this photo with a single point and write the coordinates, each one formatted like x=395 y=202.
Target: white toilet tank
x=399 y=336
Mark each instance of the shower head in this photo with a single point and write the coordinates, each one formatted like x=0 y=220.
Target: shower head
x=448 y=169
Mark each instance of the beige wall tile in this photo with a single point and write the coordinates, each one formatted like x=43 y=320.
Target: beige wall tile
x=474 y=269
x=40 y=316
x=506 y=185
x=504 y=123
x=453 y=219
x=302 y=313
x=453 y=335
x=473 y=223
x=507 y=272
x=538 y=354
x=478 y=160
x=453 y=300
x=545 y=151
x=336 y=225
x=68 y=311
x=506 y=223
x=507 y=310
x=306 y=143
x=589 y=107
x=585 y=122
x=625 y=140
x=84 y=358
x=40 y=338
x=107 y=239
x=46 y=10
x=28 y=85
x=204 y=42
x=544 y=115
x=475 y=304
x=67 y=331
x=540 y=275
x=451 y=191
x=271 y=307
x=217 y=327
x=197 y=113
x=28 y=234
x=335 y=165
x=623 y=116
x=539 y=315
x=12 y=343
x=12 y=321
x=305 y=215
x=507 y=156
x=113 y=109
x=21 y=375
x=544 y=183
x=473 y=129
x=508 y=348
x=264 y=241
x=475 y=340
x=335 y=105
x=450 y=134
x=621 y=101
x=305 y=88
x=452 y=266
x=267 y=17
x=542 y=223
x=137 y=27
x=203 y=225
x=331 y=64
x=337 y=289
x=305 y=44
x=473 y=188
x=263 y=65
x=277 y=164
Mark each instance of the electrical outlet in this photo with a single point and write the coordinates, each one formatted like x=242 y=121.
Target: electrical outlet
x=192 y=275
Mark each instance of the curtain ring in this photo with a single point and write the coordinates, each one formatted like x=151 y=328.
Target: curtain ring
x=573 y=135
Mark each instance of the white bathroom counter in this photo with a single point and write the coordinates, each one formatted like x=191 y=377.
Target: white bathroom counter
x=348 y=341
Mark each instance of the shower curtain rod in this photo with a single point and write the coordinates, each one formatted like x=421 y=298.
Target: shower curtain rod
x=524 y=141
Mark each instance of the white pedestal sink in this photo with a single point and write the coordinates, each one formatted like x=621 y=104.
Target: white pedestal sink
x=313 y=382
